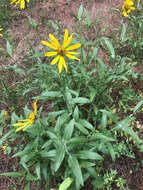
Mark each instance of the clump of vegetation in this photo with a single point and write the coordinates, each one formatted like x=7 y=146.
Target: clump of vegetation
x=93 y=107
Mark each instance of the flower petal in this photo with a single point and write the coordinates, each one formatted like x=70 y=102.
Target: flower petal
x=13 y=2
x=18 y=124
x=22 y=4
x=67 y=42
x=75 y=46
x=73 y=53
x=49 y=45
x=51 y=53
x=55 y=60
x=31 y=122
x=35 y=107
x=65 y=36
x=61 y=62
x=56 y=42
x=72 y=57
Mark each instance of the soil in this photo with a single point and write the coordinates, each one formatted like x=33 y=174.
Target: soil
x=23 y=36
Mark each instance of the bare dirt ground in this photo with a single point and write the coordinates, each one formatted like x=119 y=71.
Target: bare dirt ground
x=23 y=36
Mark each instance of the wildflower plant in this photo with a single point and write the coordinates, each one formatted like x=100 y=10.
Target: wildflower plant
x=61 y=50
x=70 y=141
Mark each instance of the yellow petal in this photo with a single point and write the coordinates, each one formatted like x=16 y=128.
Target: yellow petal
x=60 y=65
x=1 y=35
x=51 y=53
x=55 y=60
x=75 y=46
x=54 y=40
x=22 y=4
x=65 y=36
x=35 y=107
x=18 y=124
x=13 y=2
x=72 y=57
x=49 y=45
x=132 y=8
x=23 y=126
x=28 y=125
x=67 y=42
x=73 y=53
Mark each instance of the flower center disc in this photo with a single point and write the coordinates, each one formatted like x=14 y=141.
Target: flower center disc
x=61 y=51
x=127 y=7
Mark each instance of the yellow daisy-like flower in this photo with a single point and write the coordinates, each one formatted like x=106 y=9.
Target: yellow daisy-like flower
x=21 y=2
x=1 y=30
x=27 y=122
x=127 y=7
x=61 y=50
x=4 y=148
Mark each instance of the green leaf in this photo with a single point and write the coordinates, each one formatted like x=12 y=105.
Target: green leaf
x=33 y=23
x=59 y=157
x=81 y=128
x=17 y=70
x=102 y=66
x=86 y=164
x=37 y=168
x=50 y=154
x=53 y=115
x=80 y=11
x=110 y=47
x=76 y=140
x=66 y=183
x=137 y=107
x=12 y=131
x=69 y=130
x=111 y=150
x=49 y=94
x=30 y=177
x=61 y=121
x=74 y=165
x=27 y=186
x=12 y=174
x=84 y=154
x=69 y=100
x=86 y=124
x=123 y=33
x=101 y=137
x=88 y=20
x=81 y=100
x=76 y=113
x=47 y=143
x=9 y=49
x=93 y=55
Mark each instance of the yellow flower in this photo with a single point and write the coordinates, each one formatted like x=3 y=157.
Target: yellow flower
x=139 y=1
x=1 y=30
x=21 y=2
x=127 y=7
x=27 y=122
x=61 y=50
x=4 y=148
